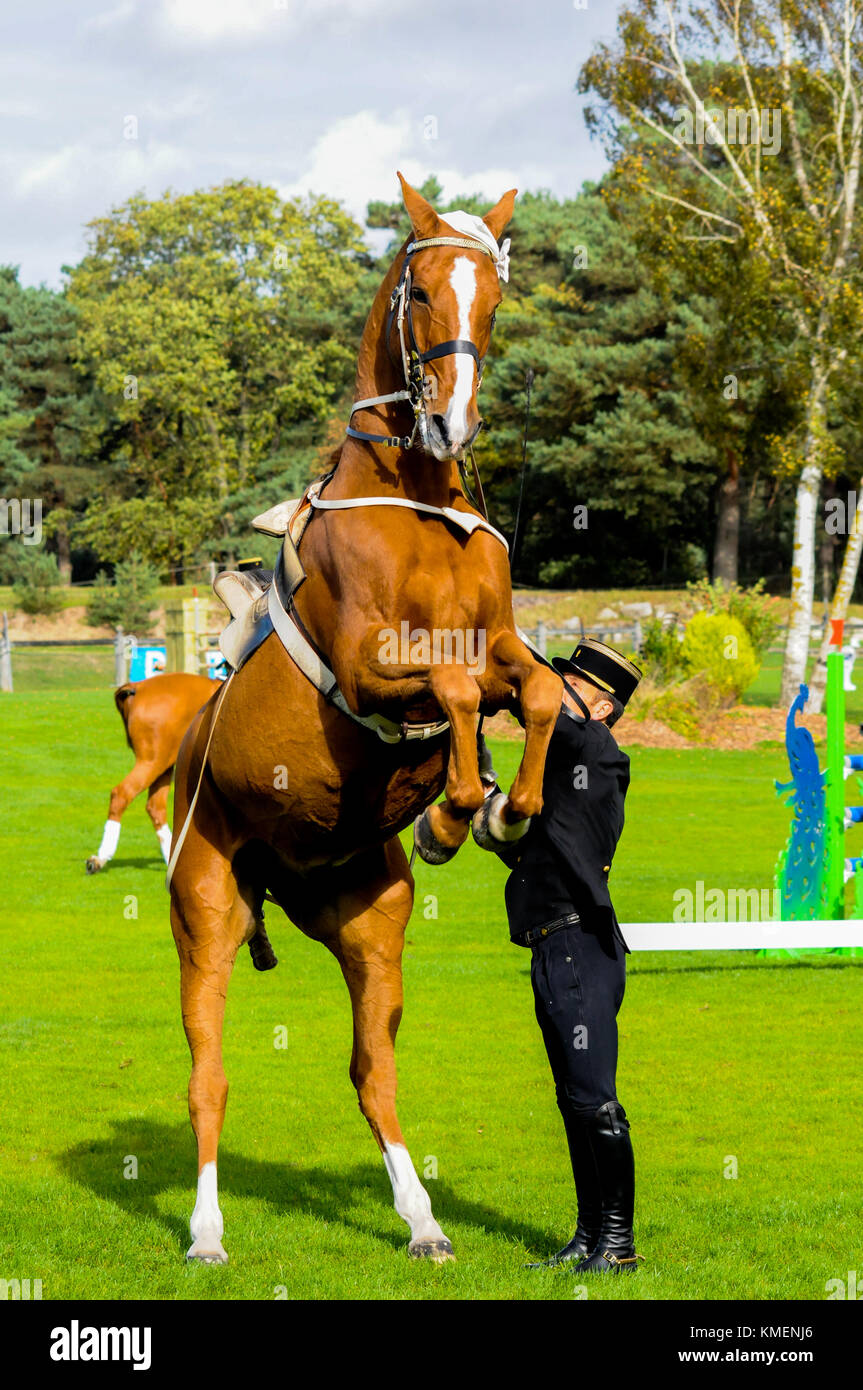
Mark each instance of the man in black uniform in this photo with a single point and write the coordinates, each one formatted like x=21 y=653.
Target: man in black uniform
x=558 y=904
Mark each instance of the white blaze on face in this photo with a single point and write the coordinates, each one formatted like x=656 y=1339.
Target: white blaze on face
x=463 y=280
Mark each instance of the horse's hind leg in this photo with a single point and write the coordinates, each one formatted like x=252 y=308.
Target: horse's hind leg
x=157 y=810
x=122 y=796
x=210 y=919
x=365 y=929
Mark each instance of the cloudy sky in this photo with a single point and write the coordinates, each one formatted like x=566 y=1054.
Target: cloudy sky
x=327 y=96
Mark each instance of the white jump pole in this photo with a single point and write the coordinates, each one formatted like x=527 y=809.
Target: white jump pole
x=741 y=936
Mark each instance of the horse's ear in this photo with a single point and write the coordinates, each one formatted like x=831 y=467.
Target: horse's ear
x=498 y=217
x=424 y=220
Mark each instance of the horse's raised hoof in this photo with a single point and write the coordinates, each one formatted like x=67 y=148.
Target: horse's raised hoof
x=489 y=828
x=428 y=846
x=262 y=953
x=211 y=1253
x=95 y=864
x=438 y=1251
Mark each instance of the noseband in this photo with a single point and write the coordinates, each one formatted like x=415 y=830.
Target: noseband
x=412 y=359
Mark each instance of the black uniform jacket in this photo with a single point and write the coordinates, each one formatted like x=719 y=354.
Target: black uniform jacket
x=562 y=863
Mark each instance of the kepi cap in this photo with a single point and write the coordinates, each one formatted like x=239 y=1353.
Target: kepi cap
x=602 y=666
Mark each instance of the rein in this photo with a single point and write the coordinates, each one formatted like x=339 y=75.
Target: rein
x=528 y=382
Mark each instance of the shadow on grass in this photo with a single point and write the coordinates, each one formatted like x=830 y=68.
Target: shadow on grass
x=154 y=862
x=166 y=1159
x=821 y=962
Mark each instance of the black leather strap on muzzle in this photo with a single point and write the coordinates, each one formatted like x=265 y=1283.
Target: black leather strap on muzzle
x=454 y=345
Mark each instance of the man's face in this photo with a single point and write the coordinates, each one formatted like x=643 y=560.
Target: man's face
x=600 y=707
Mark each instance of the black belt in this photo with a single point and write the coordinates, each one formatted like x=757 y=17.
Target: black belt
x=534 y=934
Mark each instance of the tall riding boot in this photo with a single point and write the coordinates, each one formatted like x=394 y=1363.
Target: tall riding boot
x=612 y=1149
x=587 y=1191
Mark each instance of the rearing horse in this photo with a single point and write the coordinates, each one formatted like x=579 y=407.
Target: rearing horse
x=279 y=788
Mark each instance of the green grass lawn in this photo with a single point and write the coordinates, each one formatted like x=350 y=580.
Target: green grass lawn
x=723 y=1056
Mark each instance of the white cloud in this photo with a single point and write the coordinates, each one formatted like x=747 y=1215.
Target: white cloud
x=211 y=20
x=357 y=158
x=109 y=18
x=356 y=161
x=54 y=169
x=217 y=19
x=113 y=170
x=10 y=108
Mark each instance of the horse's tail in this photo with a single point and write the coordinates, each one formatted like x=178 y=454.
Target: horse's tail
x=122 y=695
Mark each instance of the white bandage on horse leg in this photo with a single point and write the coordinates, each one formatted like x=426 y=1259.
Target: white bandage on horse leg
x=410 y=1198
x=499 y=827
x=110 y=839
x=164 y=836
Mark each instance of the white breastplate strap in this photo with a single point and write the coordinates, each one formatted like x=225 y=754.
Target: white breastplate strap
x=322 y=678
x=467 y=521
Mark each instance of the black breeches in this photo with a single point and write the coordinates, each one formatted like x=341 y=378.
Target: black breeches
x=578 y=982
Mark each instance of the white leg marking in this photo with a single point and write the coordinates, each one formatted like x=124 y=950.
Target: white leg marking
x=463 y=280
x=206 y=1224
x=164 y=837
x=410 y=1198
x=498 y=826
x=110 y=838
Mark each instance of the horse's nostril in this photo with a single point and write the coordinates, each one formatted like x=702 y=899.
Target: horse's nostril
x=439 y=423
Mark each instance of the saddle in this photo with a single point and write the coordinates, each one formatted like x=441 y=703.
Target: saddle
x=245 y=592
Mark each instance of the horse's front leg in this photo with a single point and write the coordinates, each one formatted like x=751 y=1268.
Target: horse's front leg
x=443 y=828
x=539 y=690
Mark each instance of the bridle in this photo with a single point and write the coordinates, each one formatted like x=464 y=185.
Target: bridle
x=412 y=359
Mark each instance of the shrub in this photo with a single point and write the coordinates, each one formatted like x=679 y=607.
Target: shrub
x=718 y=645
x=661 y=655
x=128 y=600
x=37 y=586
x=751 y=607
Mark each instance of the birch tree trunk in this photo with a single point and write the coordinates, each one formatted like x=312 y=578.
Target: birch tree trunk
x=839 y=606
x=802 y=583
x=803 y=557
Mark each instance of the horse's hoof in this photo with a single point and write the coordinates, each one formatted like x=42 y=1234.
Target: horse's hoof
x=428 y=846
x=262 y=953
x=438 y=1251
x=209 y=1254
x=489 y=828
x=95 y=864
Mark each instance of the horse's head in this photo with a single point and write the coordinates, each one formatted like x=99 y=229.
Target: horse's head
x=449 y=297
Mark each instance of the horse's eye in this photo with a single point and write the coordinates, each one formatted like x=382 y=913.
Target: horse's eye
x=419 y=296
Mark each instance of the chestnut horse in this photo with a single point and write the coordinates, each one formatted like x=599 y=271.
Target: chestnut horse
x=280 y=790
x=156 y=714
